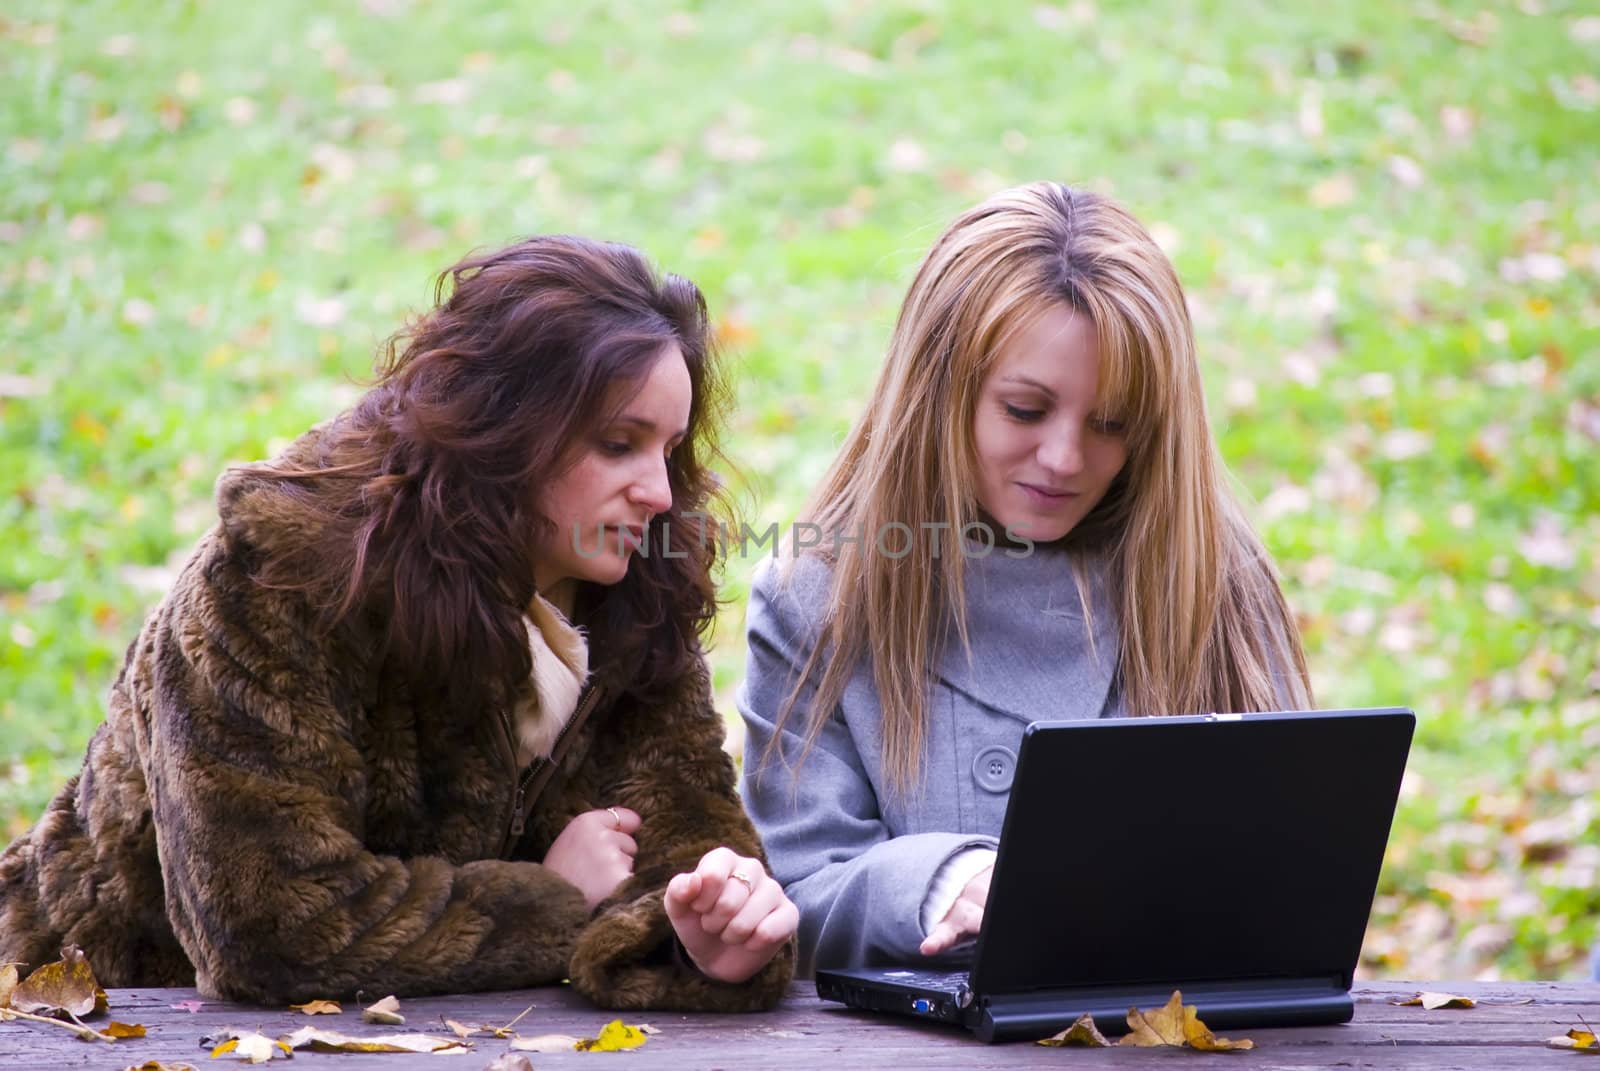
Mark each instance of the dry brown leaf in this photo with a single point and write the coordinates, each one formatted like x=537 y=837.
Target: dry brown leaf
x=67 y=985
x=1081 y=1032
x=461 y=1030
x=385 y=1012
x=615 y=1036
x=157 y=1065
x=330 y=1041
x=124 y=1030
x=319 y=1007
x=1163 y=1027
x=8 y=982
x=546 y=1043
x=511 y=1061
x=1177 y=1024
x=1435 y=1001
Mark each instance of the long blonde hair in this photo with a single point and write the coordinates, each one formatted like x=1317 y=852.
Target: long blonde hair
x=1202 y=622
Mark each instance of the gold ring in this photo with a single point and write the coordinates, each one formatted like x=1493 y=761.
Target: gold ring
x=615 y=817
x=748 y=884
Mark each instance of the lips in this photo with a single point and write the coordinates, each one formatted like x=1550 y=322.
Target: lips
x=1057 y=493
x=631 y=536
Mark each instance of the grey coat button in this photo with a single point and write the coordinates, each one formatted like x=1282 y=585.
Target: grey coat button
x=993 y=767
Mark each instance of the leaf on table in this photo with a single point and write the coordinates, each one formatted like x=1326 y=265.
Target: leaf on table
x=330 y=1041
x=320 y=1007
x=1435 y=1001
x=546 y=1043
x=248 y=1045
x=1163 y=1027
x=66 y=986
x=157 y=1065
x=124 y=1030
x=190 y=1006
x=1582 y=1040
x=8 y=982
x=511 y=1061
x=385 y=1012
x=1177 y=1024
x=615 y=1036
x=461 y=1030
x=1081 y=1032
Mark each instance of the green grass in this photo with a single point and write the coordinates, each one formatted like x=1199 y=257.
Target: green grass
x=211 y=214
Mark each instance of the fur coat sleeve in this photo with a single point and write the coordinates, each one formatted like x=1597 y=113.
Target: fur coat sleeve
x=664 y=759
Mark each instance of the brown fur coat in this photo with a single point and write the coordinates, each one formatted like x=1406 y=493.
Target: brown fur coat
x=262 y=817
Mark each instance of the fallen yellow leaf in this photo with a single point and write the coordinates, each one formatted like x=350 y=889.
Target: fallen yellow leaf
x=252 y=1047
x=329 y=1041
x=124 y=1030
x=1435 y=1001
x=1582 y=1040
x=157 y=1065
x=1177 y=1024
x=385 y=1012
x=1081 y=1032
x=8 y=982
x=614 y=1037
x=67 y=985
x=1163 y=1027
x=461 y=1030
x=318 y=1007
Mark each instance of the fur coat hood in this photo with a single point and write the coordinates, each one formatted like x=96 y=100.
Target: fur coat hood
x=268 y=815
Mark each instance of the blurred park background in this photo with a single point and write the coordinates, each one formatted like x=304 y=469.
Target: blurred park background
x=1385 y=214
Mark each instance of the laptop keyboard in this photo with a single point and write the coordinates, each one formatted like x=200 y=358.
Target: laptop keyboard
x=938 y=981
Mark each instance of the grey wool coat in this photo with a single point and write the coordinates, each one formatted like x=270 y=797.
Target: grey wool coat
x=856 y=859
x=263 y=815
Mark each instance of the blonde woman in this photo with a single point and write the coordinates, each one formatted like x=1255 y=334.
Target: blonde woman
x=1030 y=521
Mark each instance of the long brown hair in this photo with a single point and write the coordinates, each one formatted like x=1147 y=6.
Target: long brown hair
x=427 y=489
x=1202 y=622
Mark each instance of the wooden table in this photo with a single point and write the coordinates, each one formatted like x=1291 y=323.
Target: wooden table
x=806 y=1033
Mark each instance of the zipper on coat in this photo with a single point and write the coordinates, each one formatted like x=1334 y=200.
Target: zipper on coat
x=519 y=816
x=520 y=801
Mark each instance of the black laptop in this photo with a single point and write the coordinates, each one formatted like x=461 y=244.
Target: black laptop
x=1234 y=857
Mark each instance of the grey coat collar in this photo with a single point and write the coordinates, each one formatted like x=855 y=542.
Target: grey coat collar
x=1030 y=653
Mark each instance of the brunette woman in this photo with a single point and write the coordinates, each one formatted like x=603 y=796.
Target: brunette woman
x=419 y=714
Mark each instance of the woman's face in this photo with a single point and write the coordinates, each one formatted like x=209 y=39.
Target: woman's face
x=1046 y=452
x=601 y=505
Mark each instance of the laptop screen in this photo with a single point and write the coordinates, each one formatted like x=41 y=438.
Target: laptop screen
x=1172 y=850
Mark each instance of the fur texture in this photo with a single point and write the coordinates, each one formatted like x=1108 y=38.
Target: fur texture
x=266 y=815
x=560 y=669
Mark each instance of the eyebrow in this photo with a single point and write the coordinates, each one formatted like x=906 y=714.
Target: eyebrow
x=1029 y=382
x=649 y=426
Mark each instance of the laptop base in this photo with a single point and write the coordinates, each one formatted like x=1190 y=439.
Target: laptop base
x=1038 y=1014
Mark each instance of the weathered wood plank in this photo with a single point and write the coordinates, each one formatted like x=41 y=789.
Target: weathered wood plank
x=807 y=1033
